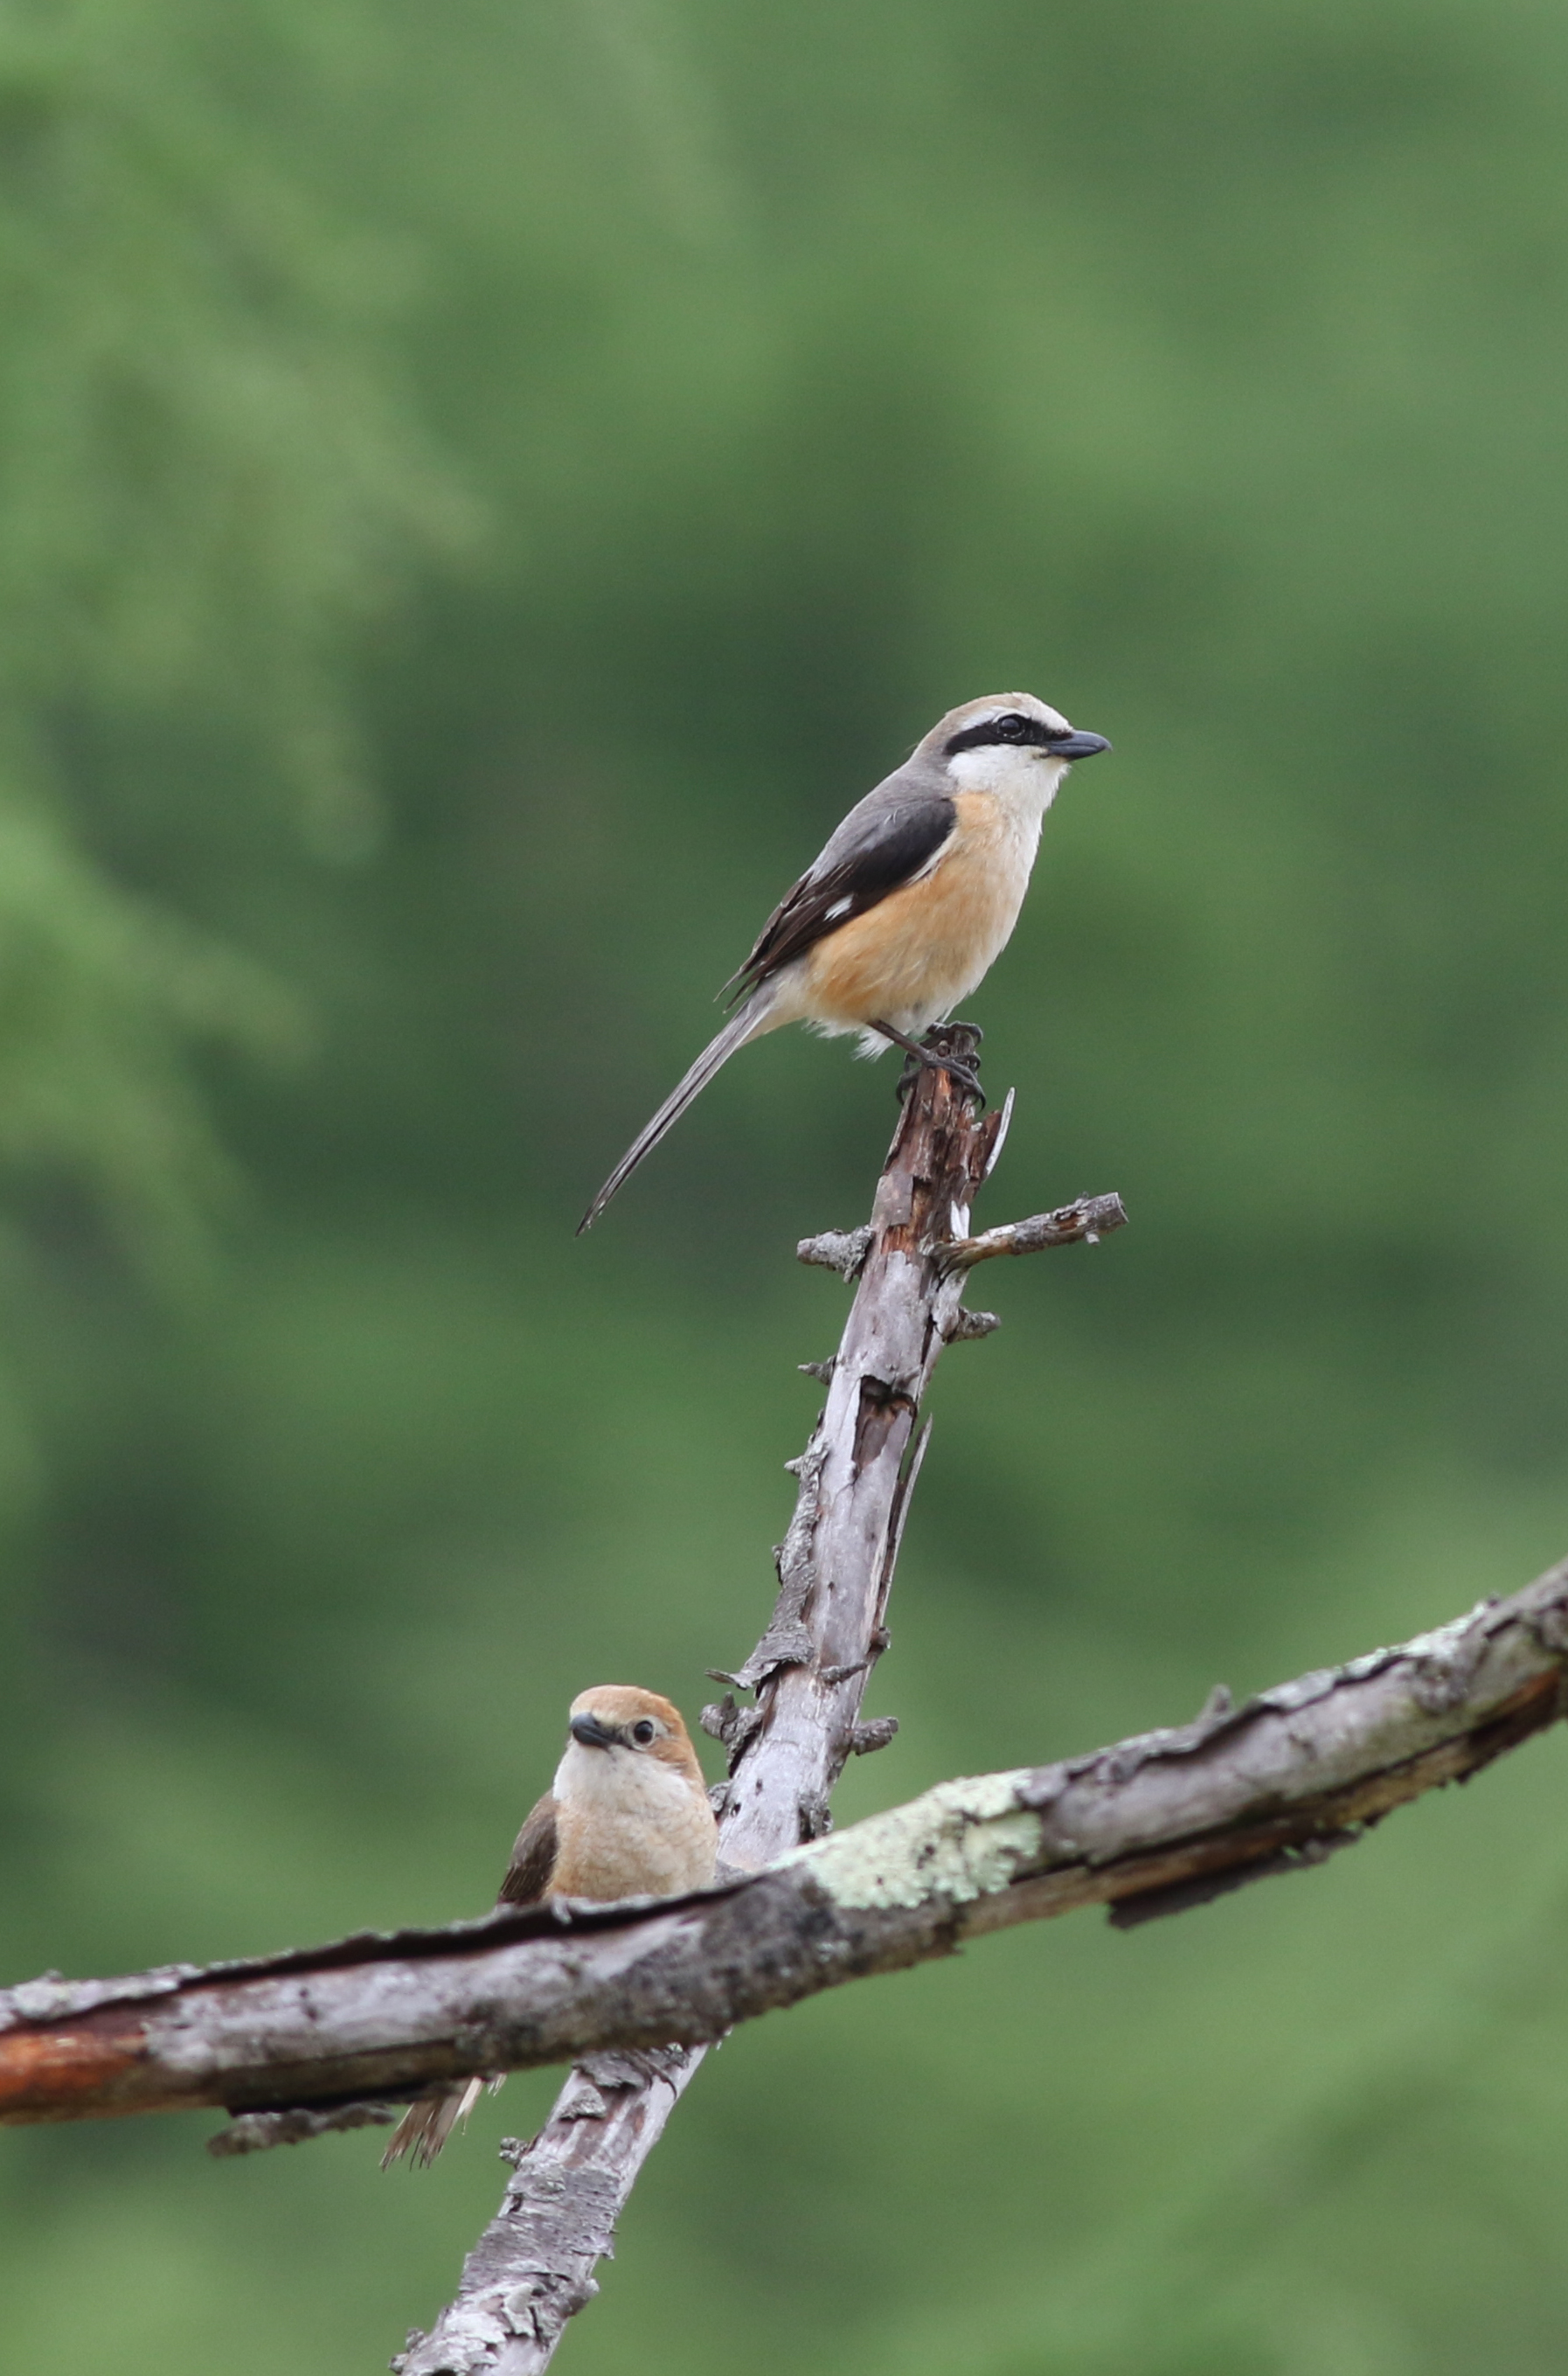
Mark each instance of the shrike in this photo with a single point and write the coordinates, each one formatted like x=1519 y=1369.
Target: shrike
x=910 y=904
x=627 y=1816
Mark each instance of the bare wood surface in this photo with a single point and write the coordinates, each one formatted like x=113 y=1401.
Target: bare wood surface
x=1084 y=1222
x=1147 y=1826
x=533 y=2267
x=810 y=1670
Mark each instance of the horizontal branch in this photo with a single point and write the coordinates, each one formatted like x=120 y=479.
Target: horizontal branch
x=1147 y=1826
x=1084 y=1222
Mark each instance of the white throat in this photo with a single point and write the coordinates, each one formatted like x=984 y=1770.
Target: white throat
x=626 y=1779
x=1027 y=780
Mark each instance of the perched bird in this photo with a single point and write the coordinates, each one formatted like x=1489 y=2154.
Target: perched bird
x=627 y=1816
x=910 y=904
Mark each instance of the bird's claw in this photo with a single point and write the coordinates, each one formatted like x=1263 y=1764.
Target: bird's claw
x=931 y=1060
x=936 y=1050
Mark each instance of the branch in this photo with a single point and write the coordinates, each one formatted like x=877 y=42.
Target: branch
x=1085 y=1221
x=533 y=2268
x=1148 y=1825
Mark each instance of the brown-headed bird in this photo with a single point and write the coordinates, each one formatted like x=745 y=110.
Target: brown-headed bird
x=626 y=1816
x=909 y=904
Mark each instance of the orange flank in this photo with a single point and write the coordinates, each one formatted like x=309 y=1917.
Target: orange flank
x=925 y=947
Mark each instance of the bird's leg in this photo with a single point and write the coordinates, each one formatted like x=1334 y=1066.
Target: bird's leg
x=956 y=1069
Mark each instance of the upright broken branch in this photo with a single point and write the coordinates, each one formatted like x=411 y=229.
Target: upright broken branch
x=533 y=2266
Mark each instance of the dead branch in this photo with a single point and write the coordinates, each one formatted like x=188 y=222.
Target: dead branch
x=1085 y=1221
x=1148 y=1825
x=808 y=1672
x=532 y=2269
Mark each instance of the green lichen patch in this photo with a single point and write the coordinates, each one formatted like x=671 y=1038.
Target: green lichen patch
x=965 y=1839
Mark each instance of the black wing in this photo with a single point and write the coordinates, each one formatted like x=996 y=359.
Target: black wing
x=533 y=1858
x=866 y=860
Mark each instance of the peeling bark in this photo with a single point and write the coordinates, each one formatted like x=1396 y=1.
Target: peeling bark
x=532 y=2269
x=836 y=1564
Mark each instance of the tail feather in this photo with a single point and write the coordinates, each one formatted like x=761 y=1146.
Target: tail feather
x=425 y=2126
x=745 y=1024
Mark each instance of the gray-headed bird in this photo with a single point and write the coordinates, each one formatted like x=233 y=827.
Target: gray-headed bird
x=910 y=904
x=626 y=1816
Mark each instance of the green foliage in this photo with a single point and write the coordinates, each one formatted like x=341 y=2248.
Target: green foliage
x=808 y=370
x=206 y=477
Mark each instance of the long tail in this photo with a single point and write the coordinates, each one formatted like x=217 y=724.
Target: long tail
x=425 y=2126
x=745 y=1024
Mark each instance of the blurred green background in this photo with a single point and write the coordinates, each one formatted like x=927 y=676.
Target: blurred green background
x=481 y=489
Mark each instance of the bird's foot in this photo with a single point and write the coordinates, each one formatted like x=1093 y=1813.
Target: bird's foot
x=959 y=1075
x=931 y=1055
x=963 y=1076
x=954 y=1047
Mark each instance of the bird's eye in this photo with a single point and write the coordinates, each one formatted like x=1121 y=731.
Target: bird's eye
x=1012 y=729
x=642 y=1733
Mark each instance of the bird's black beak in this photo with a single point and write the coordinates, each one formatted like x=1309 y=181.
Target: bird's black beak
x=591 y=1733
x=1077 y=746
